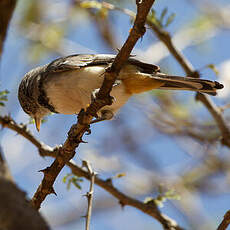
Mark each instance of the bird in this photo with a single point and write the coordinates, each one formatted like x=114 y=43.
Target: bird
x=66 y=85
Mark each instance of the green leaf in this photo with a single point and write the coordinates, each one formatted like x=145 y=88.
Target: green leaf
x=152 y=17
x=66 y=177
x=3 y=97
x=213 y=68
x=91 y=4
x=162 y=197
x=119 y=175
x=171 y=195
x=76 y=184
x=170 y=19
x=163 y=13
x=72 y=179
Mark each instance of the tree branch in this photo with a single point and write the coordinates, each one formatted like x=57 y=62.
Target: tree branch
x=44 y=150
x=225 y=222
x=190 y=71
x=89 y=194
x=165 y=37
x=67 y=151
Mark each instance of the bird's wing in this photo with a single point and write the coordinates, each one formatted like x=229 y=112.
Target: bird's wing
x=77 y=61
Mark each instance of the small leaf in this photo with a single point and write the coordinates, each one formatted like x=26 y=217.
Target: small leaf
x=72 y=179
x=3 y=97
x=163 y=13
x=119 y=175
x=4 y=92
x=77 y=184
x=66 y=177
x=170 y=19
x=91 y=4
x=68 y=184
x=213 y=68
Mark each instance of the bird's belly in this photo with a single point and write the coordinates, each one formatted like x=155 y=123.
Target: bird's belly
x=70 y=92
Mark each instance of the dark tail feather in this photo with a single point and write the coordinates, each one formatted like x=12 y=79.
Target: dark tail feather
x=188 y=83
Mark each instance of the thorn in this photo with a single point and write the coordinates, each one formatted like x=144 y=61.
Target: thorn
x=85 y=195
x=122 y=204
x=109 y=181
x=52 y=191
x=88 y=131
x=84 y=142
x=44 y=170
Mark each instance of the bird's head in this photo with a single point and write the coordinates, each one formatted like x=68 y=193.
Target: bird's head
x=29 y=103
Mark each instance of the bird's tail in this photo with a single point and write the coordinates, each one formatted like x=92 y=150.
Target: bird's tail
x=187 y=83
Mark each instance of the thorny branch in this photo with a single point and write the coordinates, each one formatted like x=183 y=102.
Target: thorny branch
x=89 y=194
x=67 y=151
x=225 y=222
x=165 y=37
x=148 y=208
x=77 y=131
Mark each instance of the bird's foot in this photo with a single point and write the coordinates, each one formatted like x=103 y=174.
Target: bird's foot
x=105 y=115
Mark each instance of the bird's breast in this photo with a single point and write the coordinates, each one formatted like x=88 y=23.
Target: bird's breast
x=70 y=91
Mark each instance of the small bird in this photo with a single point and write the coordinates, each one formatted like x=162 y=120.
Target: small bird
x=67 y=84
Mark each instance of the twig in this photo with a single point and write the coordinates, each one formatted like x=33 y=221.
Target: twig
x=225 y=222
x=7 y=121
x=44 y=150
x=190 y=71
x=67 y=151
x=165 y=37
x=89 y=194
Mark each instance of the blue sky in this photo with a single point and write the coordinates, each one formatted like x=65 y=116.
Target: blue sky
x=23 y=158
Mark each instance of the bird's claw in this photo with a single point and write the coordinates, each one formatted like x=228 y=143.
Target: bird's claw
x=105 y=115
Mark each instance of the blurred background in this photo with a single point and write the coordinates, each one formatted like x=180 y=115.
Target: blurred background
x=162 y=143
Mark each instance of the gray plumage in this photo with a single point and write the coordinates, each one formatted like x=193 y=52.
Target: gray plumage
x=66 y=84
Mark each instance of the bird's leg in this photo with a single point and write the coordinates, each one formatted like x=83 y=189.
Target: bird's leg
x=105 y=115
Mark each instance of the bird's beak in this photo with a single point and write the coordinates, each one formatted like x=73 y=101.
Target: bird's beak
x=37 y=123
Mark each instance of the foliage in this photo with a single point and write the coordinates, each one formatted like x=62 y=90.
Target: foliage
x=3 y=97
x=72 y=179
x=163 y=20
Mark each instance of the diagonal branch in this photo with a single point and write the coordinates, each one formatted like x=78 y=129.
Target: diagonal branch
x=190 y=71
x=89 y=195
x=225 y=222
x=165 y=37
x=44 y=150
x=67 y=151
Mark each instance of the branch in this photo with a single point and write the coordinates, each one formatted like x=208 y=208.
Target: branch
x=164 y=36
x=89 y=194
x=190 y=71
x=44 y=150
x=67 y=151
x=225 y=222
x=6 y=11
